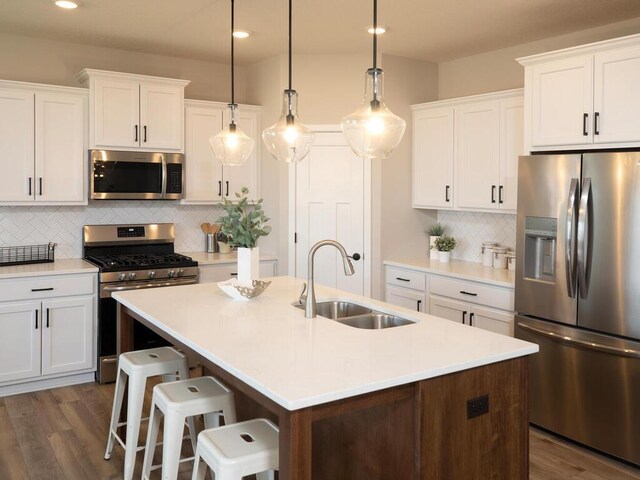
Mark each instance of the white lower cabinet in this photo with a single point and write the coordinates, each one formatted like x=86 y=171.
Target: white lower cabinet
x=404 y=297
x=19 y=341
x=224 y=271
x=468 y=314
x=406 y=288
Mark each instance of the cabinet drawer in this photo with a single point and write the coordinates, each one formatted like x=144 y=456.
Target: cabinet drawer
x=46 y=287
x=406 y=278
x=472 y=292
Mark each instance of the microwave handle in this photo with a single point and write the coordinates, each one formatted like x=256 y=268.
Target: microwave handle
x=164 y=177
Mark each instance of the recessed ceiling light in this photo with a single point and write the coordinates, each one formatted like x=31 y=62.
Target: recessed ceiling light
x=241 y=34
x=380 y=30
x=68 y=4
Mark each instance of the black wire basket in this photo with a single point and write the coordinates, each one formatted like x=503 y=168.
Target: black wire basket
x=27 y=254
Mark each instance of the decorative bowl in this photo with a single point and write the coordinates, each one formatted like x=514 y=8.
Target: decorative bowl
x=243 y=292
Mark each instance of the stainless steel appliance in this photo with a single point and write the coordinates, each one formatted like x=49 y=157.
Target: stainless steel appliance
x=131 y=257
x=578 y=295
x=136 y=175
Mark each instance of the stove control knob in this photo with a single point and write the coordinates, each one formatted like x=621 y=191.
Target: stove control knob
x=180 y=272
x=151 y=275
x=122 y=276
x=131 y=276
x=171 y=273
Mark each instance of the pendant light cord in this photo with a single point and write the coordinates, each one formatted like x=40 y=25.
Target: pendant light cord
x=233 y=96
x=375 y=34
x=290 y=43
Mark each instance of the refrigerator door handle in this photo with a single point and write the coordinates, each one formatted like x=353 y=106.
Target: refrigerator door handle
x=598 y=347
x=570 y=247
x=583 y=237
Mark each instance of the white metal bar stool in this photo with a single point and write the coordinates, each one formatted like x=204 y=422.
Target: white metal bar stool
x=178 y=401
x=238 y=450
x=137 y=367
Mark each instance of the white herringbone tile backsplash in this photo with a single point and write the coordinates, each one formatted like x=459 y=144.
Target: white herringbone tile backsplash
x=63 y=225
x=470 y=229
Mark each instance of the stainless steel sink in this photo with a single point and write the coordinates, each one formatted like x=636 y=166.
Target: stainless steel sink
x=375 y=321
x=357 y=316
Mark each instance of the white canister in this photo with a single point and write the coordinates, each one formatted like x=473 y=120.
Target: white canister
x=499 y=257
x=511 y=260
x=487 y=253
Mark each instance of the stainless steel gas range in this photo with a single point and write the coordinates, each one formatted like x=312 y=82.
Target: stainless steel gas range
x=131 y=257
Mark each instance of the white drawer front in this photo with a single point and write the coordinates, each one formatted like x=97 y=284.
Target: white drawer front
x=49 y=286
x=406 y=278
x=472 y=292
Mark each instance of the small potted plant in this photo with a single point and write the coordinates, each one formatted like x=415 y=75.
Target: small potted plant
x=243 y=224
x=435 y=231
x=444 y=244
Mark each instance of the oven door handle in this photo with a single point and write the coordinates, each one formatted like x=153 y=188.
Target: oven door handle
x=105 y=290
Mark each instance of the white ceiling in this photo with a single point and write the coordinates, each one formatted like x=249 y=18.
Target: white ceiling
x=434 y=30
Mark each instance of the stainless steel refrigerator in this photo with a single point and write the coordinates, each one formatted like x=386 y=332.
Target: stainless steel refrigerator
x=578 y=295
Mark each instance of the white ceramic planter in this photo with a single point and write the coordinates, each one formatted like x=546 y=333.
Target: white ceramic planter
x=433 y=253
x=444 y=256
x=248 y=265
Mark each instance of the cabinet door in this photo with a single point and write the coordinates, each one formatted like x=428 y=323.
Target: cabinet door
x=16 y=146
x=433 y=158
x=203 y=172
x=616 y=96
x=245 y=175
x=59 y=151
x=116 y=113
x=406 y=298
x=492 y=320
x=161 y=116
x=449 y=309
x=67 y=335
x=477 y=155
x=511 y=147
x=562 y=94
x=20 y=327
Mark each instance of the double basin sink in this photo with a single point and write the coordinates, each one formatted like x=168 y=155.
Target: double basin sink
x=357 y=316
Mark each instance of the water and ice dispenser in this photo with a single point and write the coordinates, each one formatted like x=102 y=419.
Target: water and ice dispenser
x=540 y=248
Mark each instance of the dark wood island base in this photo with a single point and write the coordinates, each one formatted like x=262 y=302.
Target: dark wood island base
x=469 y=425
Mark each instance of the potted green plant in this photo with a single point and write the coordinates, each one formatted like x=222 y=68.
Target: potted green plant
x=444 y=245
x=435 y=231
x=244 y=223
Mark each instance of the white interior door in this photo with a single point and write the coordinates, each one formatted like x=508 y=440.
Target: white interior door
x=330 y=190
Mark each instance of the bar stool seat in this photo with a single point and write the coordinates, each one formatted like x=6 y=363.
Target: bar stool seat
x=135 y=368
x=238 y=450
x=178 y=401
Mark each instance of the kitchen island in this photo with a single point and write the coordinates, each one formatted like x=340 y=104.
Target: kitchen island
x=429 y=400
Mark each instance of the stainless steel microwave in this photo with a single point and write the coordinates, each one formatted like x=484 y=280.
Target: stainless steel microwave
x=119 y=175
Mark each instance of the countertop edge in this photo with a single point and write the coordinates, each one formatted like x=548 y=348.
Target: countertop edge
x=49 y=269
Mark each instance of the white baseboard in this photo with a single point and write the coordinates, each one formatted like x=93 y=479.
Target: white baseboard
x=46 y=383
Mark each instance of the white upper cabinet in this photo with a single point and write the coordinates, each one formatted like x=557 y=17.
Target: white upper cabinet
x=433 y=145
x=466 y=152
x=135 y=112
x=583 y=97
x=206 y=180
x=42 y=144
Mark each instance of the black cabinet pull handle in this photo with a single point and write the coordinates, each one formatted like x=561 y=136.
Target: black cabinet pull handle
x=596 y=126
x=47 y=318
x=42 y=289
x=219 y=188
x=40 y=184
x=403 y=279
x=227 y=188
x=29 y=186
x=36 y=319
x=500 y=189
x=468 y=293
x=471 y=319
x=493 y=194
x=585 y=117
x=419 y=303
x=234 y=274
x=446 y=194
x=145 y=133
x=136 y=130
x=464 y=317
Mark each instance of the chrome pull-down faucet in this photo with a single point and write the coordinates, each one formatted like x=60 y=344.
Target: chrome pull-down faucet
x=310 y=303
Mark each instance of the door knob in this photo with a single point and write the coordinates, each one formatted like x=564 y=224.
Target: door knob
x=355 y=256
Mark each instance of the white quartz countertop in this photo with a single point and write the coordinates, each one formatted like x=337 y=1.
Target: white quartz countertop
x=204 y=258
x=298 y=362
x=459 y=269
x=58 y=267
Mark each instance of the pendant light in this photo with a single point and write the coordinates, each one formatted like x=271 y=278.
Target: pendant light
x=288 y=140
x=232 y=146
x=373 y=131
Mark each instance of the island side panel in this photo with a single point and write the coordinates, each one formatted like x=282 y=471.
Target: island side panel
x=493 y=445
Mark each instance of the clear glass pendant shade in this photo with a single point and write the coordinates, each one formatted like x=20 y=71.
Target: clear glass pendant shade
x=373 y=131
x=288 y=140
x=232 y=146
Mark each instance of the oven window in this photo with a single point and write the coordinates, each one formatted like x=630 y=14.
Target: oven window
x=127 y=177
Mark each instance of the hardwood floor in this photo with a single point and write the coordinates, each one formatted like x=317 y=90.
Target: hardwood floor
x=61 y=434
